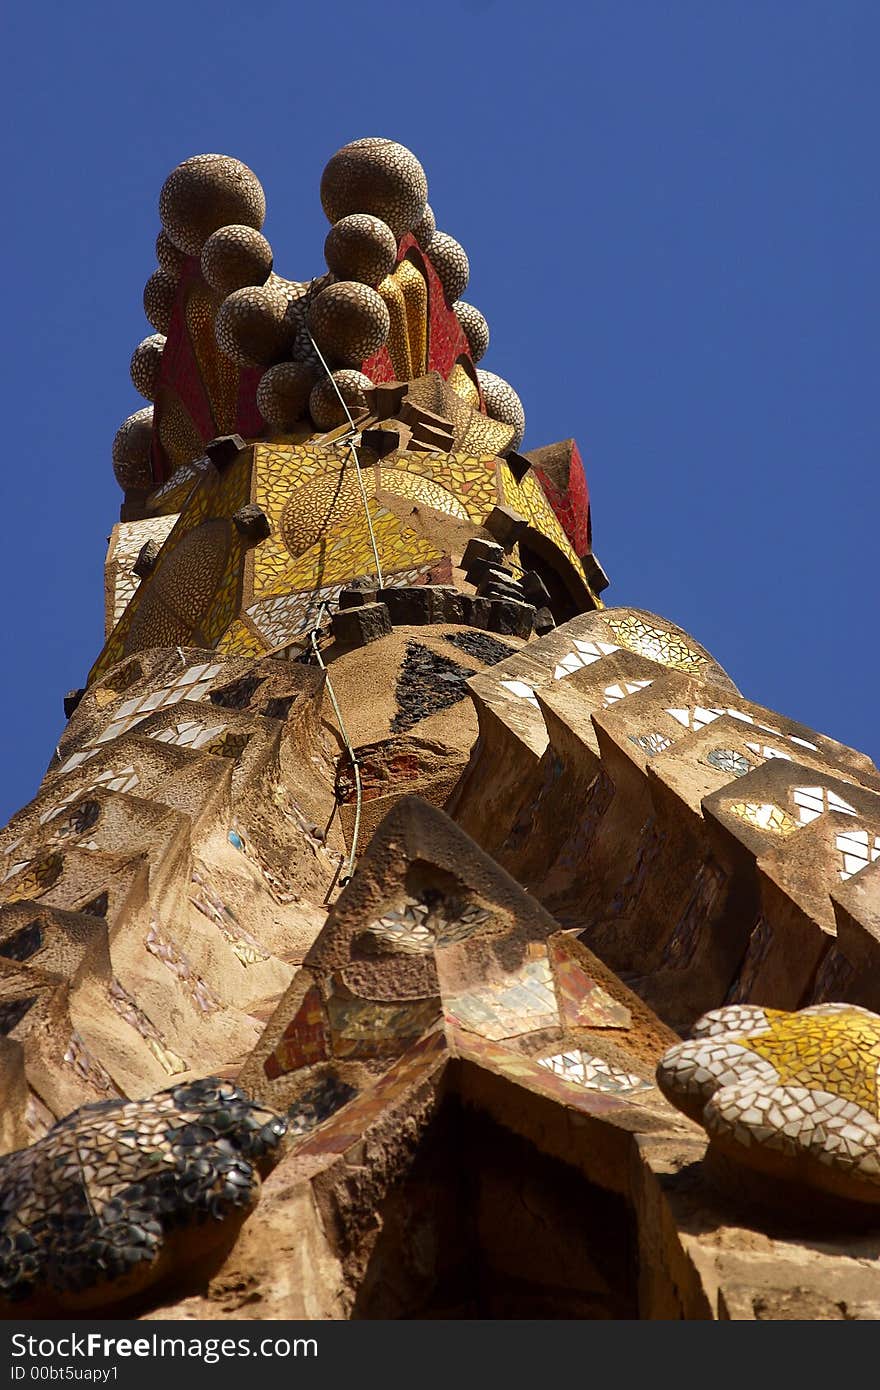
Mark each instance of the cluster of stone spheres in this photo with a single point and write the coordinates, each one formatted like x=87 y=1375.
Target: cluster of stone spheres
x=399 y=930
x=374 y=193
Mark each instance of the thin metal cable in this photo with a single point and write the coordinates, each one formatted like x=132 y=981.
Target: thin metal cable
x=357 y=462
x=352 y=854
x=348 y=748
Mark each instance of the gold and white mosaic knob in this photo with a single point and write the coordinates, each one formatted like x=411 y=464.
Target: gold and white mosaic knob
x=234 y=257
x=361 y=247
x=425 y=227
x=325 y=407
x=131 y=450
x=474 y=327
x=283 y=393
x=349 y=322
x=160 y=292
x=254 y=327
x=168 y=256
x=207 y=192
x=503 y=404
x=375 y=176
x=792 y=1096
x=146 y=361
x=450 y=261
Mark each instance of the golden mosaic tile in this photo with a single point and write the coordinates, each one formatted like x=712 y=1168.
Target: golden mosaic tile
x=461 y=383
x=838 y=1052
x=390 y=292
x=763 y=815
x=194 y=591
x=410 y=485
x=527 y=498
x=786 y=1092
x=414 y=291
x=240 y=640
x=656 y=643
x=485 y=436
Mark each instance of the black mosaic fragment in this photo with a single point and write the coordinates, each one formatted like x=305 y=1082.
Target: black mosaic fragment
x=481 y=646
x=318 y=1103
x=427 y=683
x=238 y=694
x=93 y=1200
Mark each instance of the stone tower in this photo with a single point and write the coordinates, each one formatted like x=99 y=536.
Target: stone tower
x=385 y=882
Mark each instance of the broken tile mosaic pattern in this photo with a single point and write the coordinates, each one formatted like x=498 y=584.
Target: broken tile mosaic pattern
x=802 y=1085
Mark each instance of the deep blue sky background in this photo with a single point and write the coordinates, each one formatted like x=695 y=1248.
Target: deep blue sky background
x=671 y=211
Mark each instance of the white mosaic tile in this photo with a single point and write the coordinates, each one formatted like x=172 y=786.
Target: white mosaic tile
x=813 y=801
x=594 y=1073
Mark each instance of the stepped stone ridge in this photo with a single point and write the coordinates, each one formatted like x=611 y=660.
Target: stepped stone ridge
x=385 y=880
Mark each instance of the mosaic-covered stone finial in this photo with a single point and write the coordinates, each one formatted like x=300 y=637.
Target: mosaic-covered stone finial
x=502 y=403
x=361 y=247
x=377 y=176
x=475 y=327
x=131 y=450
x=160 y=292
x=120 y=1191
x=449 y=259
x=236 y=256
x=215 y=288
x=325 y=407
x=146 y=361
x=206 y=192
x=349 y=322
x=792 y=1096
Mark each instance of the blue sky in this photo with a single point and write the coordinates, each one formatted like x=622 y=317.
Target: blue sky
x=671 y=211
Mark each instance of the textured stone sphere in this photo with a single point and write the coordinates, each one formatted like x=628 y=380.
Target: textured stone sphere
x=376 y=176
x=283 y=393
x=131 y=450
x=349 y=322
x=234 y=257
x=168 y=256
x=160 y=292
x=297 y=296
x=324 y=405
x=207 y=192
x=425 y=227
x=253 y=326
x=361 y=247
x=502 y=403
x=146 y=361
x=450 y=261
x=474 y=327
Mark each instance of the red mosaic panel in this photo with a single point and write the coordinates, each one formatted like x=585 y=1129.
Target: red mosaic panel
x=181 y=379
x=446 y=339
x=583 y=1003
x=248 y=420
x=179 y=374
x=379 y=367
x=304 y=1040
x=572 y=507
